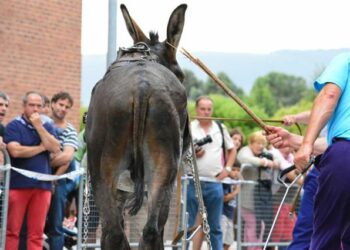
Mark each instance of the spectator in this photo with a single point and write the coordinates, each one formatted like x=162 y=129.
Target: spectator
x=237 y=138
x=63 y=162
x=227 y=217
x=4 y=104
x=29 y=142
x=46 y=107
x=211 y=167
x=258 y=167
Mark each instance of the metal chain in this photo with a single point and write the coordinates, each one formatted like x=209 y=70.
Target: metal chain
x=86 y=208
x=192 y=163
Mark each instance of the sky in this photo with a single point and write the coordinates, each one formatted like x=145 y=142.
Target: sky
x=239 y=26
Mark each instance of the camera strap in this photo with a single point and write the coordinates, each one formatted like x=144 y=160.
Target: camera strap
x=223 y=139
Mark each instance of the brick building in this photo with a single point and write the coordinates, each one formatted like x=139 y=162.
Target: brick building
x=40 y=49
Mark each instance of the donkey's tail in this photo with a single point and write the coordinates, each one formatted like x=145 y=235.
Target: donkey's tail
x=140 y=106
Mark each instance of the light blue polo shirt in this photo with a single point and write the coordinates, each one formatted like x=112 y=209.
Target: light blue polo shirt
x=338 y=72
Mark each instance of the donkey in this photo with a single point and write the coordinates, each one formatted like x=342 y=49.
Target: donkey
x=137 y=133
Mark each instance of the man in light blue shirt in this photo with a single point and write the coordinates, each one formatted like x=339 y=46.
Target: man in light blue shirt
x=332 y=206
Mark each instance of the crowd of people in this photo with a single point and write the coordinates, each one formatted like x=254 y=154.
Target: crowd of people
x=224 y=157
x=40 y=139
x=323 y=221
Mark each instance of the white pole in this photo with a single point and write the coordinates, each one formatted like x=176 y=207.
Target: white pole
x=112 y=32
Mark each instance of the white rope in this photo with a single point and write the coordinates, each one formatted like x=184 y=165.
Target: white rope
x=44 y=177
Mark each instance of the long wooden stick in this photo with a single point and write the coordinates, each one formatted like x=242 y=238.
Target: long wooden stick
x=226 y=89
x=244 y=120
x=234 y=119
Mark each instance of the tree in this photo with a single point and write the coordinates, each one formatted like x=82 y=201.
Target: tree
x=289 y=89
x=262 y=96
x=210 y=87
x=286 y=90
x=193 y=85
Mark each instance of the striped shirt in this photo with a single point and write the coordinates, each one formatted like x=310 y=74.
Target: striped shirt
x=68 y=136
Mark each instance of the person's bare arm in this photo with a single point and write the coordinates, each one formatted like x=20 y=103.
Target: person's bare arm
x=16 y=150
x=48 y=141
x=231 y=195
x=63 y=157
x=280 y=138
x=62 y=169
x=2 y=144
x=231 y=156
x=302 y=117
x=323 y=108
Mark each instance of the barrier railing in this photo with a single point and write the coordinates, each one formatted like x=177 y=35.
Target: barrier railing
x=4 y=192
x=255 y=213
x=256 y=209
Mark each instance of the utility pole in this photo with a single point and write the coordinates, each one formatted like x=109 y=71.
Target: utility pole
x=112 y=32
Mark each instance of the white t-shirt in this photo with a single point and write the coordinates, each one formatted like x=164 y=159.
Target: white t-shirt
x=211 y=163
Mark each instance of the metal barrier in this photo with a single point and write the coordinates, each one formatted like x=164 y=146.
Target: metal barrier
x=4 y=192
x=255 y=213
x=89 y=228
x=254 y=205
x=256 y=208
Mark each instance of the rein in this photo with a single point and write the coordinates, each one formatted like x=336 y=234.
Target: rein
x=244 y=120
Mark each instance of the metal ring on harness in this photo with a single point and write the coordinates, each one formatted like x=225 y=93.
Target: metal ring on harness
x=138 y=47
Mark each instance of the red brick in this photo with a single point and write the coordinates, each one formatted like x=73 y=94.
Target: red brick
x=40 y=44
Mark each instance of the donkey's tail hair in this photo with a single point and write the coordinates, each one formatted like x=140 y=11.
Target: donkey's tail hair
x=140 y=107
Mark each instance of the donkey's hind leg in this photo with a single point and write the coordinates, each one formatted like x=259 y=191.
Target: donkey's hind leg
x=112 y=219
x=159 y=196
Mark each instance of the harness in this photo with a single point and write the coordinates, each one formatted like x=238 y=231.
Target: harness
x=139 y=52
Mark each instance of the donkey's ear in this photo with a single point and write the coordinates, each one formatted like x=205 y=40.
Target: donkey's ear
x=134 y=30
x=175 y=25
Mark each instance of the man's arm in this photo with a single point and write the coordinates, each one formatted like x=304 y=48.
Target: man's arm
x=232 y=195
x=323 y=108
x=281 y=138
x=49 y=141
x=16 y=150
x=2 y=144
x=302 y=117
x=231 y=156
x=64 y=157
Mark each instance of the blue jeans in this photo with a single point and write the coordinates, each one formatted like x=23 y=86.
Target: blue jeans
x=304 y=225
x=213 y=196
x=56 y=212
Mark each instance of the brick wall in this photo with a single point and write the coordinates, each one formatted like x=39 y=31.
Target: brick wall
x=40 y=49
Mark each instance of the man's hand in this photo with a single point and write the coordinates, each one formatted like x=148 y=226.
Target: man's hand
x=302 y=157
x=222 y=175
x=200 y=152
x=279 y=137
x=35 y=120
x=289 y=120
x=2 y=144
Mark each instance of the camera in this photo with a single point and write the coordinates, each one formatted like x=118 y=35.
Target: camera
x=203 y=141
x=199 y=143
x=84 y=117
x=266 y=155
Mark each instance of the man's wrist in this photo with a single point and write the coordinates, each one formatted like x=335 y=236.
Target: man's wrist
x=228 y=169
